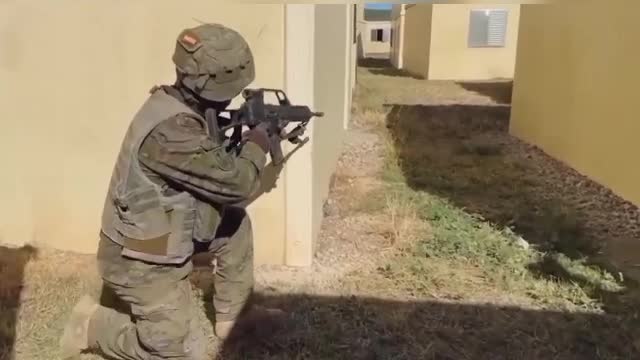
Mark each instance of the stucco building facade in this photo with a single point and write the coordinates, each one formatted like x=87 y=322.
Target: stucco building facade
x=455 y=41
x=75 y=73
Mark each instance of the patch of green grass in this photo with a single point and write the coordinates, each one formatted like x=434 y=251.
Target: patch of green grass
x=455 y=171
x=591 y=277
x=497 y=255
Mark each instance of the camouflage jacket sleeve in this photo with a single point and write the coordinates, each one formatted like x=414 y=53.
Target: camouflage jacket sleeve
x=180 y=152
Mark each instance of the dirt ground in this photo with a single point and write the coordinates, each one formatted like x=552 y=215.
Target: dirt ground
x=443 y=238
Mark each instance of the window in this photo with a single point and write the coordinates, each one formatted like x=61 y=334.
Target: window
x=391 y=38
x=488 y=28
x=377 y=35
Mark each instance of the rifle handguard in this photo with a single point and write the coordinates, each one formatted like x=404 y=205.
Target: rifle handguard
x=272 y=118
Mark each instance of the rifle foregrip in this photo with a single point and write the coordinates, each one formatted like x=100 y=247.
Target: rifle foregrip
x=275 y=150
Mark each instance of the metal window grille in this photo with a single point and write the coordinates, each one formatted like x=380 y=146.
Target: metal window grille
x=488 y=28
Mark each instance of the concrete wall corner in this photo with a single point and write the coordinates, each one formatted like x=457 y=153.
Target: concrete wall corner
x=298 y=171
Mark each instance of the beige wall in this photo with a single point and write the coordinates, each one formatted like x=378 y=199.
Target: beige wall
x=300 y=60
x=321 y=78
x=360 y=28
x=366 y=47
x=354 y=45
x=73 y=75
x=397 y=24
x=100 y=62
x=331 y=72
x=375 y=48
x=417 y=39
x=576 y=88
x=451 y=58
x=435 y=43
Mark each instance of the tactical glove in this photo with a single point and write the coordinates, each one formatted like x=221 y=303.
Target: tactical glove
x=259 y=136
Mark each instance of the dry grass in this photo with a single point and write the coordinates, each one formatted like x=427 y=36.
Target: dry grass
x=481 y=192
x=421 y=254
x=39 y=287
x=403 y=220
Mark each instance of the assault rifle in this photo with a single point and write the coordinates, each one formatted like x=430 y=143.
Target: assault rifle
x=275 y=118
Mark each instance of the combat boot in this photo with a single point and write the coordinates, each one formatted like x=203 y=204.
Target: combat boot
x=256 y=318
x=75 y=337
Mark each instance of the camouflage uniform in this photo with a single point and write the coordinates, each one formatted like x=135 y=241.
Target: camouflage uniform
x=160 y=297
x=173 y=192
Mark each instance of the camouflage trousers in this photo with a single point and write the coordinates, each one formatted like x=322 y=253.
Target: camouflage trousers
x=161 y=321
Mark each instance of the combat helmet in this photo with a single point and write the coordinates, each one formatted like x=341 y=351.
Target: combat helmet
x=213 y=61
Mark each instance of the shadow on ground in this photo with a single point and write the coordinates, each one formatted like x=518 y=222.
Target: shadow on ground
x=367 y=328
x=464 y=153
x=12 y=266
x=383 y=67
x=499 y=91
x=372 y=63
x=394 y=72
